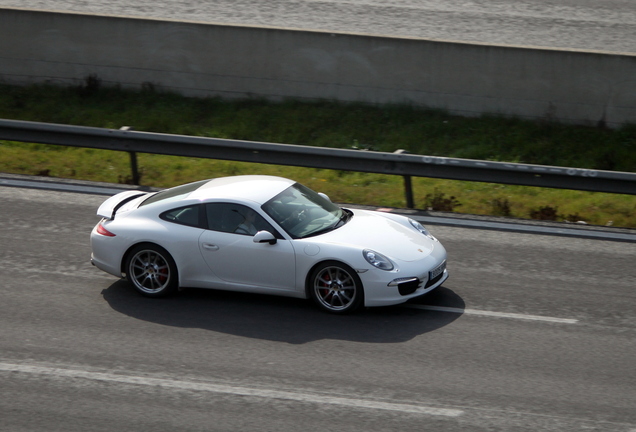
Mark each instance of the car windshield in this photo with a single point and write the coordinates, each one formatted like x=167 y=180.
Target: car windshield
x=302 y=212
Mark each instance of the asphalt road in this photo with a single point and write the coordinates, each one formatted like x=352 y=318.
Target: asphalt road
x=605 y=25
x=538 y=334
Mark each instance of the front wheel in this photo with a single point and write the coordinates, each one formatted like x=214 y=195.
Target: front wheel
x=336 y=288
x=152 y=271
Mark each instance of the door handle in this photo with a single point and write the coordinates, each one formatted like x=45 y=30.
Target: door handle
x=209 y=246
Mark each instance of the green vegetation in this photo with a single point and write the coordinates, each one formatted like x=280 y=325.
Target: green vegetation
x=327 y=124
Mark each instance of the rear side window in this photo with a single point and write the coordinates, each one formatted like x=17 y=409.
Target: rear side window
x=174 y=193
x=190 y=216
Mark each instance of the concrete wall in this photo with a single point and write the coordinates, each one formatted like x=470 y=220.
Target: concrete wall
x=204 y=59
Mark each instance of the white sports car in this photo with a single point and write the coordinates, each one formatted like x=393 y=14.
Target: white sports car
x=265 y=234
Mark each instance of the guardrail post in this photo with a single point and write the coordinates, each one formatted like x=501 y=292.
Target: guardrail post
x=408 y=185
x=408 y=192
x=133 y=161
x=133 y=167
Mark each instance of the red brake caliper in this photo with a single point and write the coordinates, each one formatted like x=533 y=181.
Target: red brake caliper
x=325 y=291
x=163 y=275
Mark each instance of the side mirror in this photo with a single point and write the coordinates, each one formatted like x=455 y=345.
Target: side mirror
x=264 y=237
x=324 y=196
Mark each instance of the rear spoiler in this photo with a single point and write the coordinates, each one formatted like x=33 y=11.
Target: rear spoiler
x=111 y=205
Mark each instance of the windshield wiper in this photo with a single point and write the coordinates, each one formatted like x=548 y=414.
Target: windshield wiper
x=346 y=216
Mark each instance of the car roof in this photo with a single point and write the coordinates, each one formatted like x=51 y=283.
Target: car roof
x=256 y=188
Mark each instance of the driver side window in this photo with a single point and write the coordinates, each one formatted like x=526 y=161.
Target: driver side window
x=237 y=219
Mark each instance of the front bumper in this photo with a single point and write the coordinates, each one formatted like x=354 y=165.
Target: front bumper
x=379 y=293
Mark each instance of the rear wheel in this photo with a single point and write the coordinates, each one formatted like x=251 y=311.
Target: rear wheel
x=152 y=271
x=336 y=288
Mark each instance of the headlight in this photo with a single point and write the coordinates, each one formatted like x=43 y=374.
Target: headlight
x=418 y=226
x=377 y=260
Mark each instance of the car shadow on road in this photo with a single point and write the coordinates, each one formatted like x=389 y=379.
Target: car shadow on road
x=282 y=319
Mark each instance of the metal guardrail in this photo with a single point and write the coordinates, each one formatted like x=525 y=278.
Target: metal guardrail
x=399 y=163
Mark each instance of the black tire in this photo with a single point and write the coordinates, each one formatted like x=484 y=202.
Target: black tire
x=335 y=287
x=151 y=271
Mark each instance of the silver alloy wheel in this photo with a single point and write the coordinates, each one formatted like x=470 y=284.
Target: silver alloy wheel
x=149 y=271
x=335 y=289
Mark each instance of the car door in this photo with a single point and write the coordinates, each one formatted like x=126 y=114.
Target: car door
x=228 y=249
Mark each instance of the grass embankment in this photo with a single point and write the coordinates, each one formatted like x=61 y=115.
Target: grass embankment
x=328 y=124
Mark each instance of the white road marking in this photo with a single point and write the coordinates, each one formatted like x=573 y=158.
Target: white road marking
x=494 y=314
x=229 y=389
x=61 y=186
x=596 y=233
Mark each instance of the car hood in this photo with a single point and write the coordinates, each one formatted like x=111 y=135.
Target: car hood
x=372 y=230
